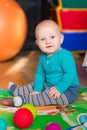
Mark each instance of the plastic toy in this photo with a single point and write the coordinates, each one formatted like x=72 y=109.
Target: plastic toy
x=13 y=29
x=3 y=124
x=23 y=118
x=53 y=126
x=31 y=108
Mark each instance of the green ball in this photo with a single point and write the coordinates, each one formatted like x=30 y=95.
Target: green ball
x=31 y=108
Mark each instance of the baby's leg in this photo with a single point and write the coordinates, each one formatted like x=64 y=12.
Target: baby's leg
x=42 y=99
x=20 y=90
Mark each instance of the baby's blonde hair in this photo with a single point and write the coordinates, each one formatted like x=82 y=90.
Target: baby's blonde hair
x=46 y=23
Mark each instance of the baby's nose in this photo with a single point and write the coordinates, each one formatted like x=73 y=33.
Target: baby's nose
x=47 y=41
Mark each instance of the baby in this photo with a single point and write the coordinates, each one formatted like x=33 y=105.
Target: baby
x=56 y=80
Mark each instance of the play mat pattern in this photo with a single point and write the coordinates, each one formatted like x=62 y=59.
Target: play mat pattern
x=70 y=116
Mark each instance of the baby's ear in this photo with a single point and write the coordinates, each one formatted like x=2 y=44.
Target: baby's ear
x=61 y=38
x=36 y=41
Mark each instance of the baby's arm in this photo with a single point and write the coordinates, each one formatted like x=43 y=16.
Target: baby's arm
x=54 y=92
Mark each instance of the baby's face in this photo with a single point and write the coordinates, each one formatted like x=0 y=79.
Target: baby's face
x=48 y=38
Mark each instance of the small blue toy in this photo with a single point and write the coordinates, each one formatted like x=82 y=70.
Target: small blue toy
x=3 y=124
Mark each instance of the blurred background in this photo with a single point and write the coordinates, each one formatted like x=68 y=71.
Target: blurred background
x=20 y=66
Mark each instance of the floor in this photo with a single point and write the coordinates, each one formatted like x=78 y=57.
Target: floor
x=21 y=69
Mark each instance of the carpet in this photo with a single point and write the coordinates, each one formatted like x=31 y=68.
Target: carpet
x=67 y=117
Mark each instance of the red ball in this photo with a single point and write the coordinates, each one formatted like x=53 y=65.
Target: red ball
x=23 y=118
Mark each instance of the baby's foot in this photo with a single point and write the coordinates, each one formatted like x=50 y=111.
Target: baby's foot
x=12 y=87
x=10 y=84
x=18 y=101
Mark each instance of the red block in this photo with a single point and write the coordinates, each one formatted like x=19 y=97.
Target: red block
x=72 y=19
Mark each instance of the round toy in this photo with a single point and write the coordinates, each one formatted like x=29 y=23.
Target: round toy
x=23 y=118
x=31 y=108
x=13 y=29
x=3 y=124
x=53 y=126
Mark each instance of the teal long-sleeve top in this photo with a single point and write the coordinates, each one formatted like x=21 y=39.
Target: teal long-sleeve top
x=57 y=70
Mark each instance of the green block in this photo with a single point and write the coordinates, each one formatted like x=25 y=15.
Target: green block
x=74 y=3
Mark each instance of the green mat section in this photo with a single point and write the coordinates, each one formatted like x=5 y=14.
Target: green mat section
x=65 y=117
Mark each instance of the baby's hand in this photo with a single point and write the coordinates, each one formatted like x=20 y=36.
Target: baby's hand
x=34 y=92
x=54 y=92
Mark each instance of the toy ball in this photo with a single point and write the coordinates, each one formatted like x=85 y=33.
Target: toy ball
x=23 y=118
x=31 y=108
x=53 y=126
x=3 y=124
x=13 y=29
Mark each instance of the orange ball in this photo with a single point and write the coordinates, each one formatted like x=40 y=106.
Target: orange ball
x=13 y=29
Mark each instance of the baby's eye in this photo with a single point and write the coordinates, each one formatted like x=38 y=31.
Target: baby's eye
x=42 y=39
x=52 y=36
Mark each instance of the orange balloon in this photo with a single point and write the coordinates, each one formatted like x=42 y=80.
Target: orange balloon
x=13 y=29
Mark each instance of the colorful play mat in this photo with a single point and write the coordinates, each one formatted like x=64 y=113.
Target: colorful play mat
x=72 y=117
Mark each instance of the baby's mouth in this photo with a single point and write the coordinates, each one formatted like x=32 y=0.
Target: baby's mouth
x=49 y=46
